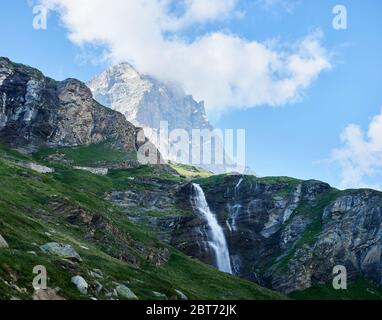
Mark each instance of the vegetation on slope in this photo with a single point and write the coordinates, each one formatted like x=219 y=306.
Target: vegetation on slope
x=187 y=171
x=92 y=155
x=36 y=209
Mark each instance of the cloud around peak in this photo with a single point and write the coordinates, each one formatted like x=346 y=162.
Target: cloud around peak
x=223 y=69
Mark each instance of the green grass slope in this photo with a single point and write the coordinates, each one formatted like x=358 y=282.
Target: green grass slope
x=39 y=208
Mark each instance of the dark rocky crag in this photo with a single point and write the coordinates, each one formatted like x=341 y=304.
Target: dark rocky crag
x=284 y=233
x=37 y=112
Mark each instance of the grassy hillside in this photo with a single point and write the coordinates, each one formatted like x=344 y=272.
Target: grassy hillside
x=93 y=155
x=187 y=171
x=68 y=207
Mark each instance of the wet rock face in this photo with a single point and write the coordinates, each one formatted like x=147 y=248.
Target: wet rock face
x=36 y=111
x=287 y=234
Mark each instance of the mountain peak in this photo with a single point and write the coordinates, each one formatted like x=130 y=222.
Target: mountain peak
x=124 y=68
x=122 y=72
x=146 y=101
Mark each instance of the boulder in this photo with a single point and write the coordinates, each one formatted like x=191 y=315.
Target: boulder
x=81 y=284
x=125 y=293
x=3 y=243
x=62 y=250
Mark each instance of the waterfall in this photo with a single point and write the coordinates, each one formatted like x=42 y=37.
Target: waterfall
x=235 y=209
x=217 y=242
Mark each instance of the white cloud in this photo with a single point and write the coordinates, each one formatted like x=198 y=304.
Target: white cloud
x=202 y=10
x=225 y=70
x=360 y=157
x=286 y=5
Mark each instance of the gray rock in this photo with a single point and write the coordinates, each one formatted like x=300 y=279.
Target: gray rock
x=62 y=250
x=38 y=168
x=181 y=295
x=3 y=243
x=96 y=171
x=81 y=284
x=125 y=293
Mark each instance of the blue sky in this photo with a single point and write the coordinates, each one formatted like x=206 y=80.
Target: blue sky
x=289 y=139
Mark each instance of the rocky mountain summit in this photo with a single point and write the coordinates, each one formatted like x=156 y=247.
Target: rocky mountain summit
x=146 y=101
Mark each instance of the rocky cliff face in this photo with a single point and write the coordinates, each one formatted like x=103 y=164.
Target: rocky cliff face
x=283 y=233
x=37 y=111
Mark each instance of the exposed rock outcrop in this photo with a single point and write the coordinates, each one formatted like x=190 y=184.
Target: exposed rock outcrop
x=121 y=291
x=62 y=250
x=97 y=171
x=36 y=167
x=36 y=111
x=81 y=284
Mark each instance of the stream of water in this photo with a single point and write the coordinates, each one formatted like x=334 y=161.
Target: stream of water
x=218 y=242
